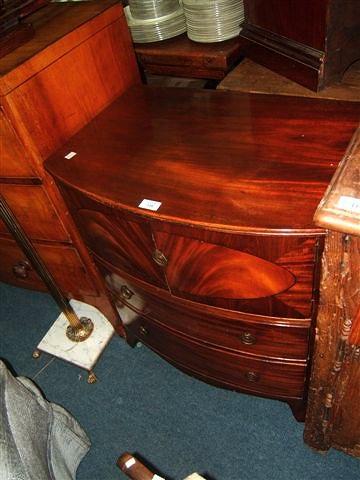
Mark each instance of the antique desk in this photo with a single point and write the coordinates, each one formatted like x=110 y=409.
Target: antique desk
x=197 y=207
x=79 y=61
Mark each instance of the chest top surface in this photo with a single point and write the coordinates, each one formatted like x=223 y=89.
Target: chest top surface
x=221 y=159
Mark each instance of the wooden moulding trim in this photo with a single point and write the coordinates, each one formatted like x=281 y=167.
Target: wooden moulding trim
x=243 y=230
x=60 y=46
x=21 y=180
x=296 y=51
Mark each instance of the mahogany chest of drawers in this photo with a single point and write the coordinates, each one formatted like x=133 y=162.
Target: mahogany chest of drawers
x=221 y=276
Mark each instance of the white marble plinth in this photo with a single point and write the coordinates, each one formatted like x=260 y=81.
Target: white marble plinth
x=83 y=354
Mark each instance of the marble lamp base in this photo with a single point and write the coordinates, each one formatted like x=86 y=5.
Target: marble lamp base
x=83 y=354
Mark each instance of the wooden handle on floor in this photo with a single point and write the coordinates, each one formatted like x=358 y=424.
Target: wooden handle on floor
x=133 y=468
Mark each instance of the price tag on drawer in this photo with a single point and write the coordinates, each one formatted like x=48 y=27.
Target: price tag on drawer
x=150 y=205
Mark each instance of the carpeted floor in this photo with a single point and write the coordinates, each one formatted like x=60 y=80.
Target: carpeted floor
x=142 y=404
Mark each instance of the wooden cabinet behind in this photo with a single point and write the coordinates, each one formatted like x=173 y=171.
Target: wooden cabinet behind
x=80 y=60
x=311 y=42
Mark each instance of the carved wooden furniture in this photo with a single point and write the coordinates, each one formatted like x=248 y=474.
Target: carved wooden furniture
x=181 y=57
x=222 y=279
x=310 y=42
x=333 y=417
x=250 y=77
x=79 y=61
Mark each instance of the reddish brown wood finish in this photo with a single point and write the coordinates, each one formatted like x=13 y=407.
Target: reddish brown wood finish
x=235 y=167
x=41 y=221
x=182 y=57
x=63 y=262
x=333 y=417
x=276 y=338
x=238 y=189
x=250 y=77
x=235 y=371
x=310 y=42
x=80 y=59
x=133 y=468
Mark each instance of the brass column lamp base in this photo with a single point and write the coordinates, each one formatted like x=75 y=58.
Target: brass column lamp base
x=76 y=334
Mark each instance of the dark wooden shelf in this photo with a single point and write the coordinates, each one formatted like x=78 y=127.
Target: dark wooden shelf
x=182 y=57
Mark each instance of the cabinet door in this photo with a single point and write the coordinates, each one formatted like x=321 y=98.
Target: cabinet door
x=260 y=275
x=124 y=243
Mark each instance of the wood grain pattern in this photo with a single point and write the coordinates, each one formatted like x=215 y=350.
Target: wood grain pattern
x=52 y=96
x=278 y=379
x=63 y=262
x=333 y=419
x=249 y=334
x=224 y=169
x=233 y=180
x=182 y=57
x=80 y=59
x=29 y=202
x=14 y=160
x=125 y=244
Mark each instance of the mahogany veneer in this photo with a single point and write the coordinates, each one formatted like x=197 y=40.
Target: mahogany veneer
x=80 y=59
x=221 y=280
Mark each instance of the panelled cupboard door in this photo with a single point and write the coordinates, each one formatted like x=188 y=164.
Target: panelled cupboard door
x=125 y=243
x=265 y=275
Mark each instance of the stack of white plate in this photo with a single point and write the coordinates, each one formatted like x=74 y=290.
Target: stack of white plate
x=213 y=20
x=155 y=20
x=149 y=9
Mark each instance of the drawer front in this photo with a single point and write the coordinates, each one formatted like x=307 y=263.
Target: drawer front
x=227 y=369
x=249 y=334
x=264 y=275
x=35 y=212
x=63 y=262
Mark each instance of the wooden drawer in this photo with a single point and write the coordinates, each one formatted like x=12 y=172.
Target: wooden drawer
x=239 y=372
x=35 y=212
x=63 y=262
x=250 y=334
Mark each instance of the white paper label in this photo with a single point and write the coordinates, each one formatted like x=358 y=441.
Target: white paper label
x=350 y=204
x=70 y=155
x=156 y=477
x=130 y=462
x=150 y=205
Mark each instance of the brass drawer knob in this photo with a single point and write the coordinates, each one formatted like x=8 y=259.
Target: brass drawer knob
x=247 y=338
x=252 y=377
x=125 y=292
x=159 y=258
x=21 y=269
x=143 y=331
